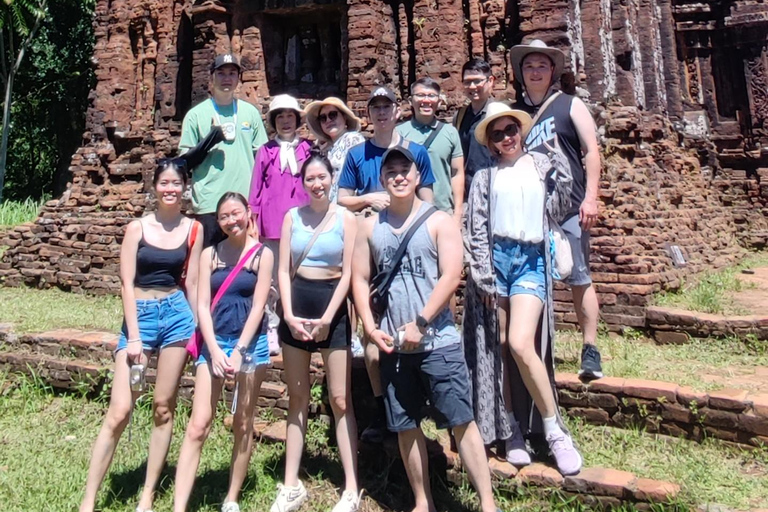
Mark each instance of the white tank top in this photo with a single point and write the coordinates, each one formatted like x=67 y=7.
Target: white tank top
x=518 y=197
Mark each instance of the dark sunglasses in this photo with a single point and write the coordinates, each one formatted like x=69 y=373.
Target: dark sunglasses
x=499 y=135
x=179 y=163
x=331 y=116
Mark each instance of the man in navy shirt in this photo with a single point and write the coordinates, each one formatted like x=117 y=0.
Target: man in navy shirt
x=359 y=183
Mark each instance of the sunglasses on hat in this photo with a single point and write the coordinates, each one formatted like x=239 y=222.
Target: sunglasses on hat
x=509 y=131
x=331 y=116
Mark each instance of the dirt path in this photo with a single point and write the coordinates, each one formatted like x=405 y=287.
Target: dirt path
x=754 y=296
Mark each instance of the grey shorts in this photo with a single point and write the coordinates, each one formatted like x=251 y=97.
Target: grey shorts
x=579 y=241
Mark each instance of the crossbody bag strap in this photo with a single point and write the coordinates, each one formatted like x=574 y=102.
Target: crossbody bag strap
x=233 y=273
x=191 y=239
x=544 y=107
x=318 y=230
x=460 y=116
x=433 y=135
x=397 y=259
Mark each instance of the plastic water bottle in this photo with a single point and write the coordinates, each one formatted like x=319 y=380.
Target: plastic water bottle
x=248 y=365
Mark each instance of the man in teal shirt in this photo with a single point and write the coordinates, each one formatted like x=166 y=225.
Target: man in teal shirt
x=442 y=143
x=229 y=164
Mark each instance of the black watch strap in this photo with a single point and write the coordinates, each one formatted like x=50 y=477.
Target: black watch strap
x=421 y=322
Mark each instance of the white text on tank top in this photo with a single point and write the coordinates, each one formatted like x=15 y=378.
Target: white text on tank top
x=518 y=198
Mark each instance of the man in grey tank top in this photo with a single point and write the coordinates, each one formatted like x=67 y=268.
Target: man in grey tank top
x=421 y=355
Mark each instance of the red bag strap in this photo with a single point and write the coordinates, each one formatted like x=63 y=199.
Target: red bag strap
x=233 y=273
x=190 y=243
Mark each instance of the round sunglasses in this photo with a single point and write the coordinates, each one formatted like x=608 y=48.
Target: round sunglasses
x=331 y=116
x=509 y=131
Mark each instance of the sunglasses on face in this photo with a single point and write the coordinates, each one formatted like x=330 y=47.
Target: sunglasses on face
x=477 y=82
x=499 y=135
x=331 y=116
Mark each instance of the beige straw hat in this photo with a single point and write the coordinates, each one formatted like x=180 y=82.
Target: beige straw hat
x=521 y=51
x=312 y=111
x=496 y=110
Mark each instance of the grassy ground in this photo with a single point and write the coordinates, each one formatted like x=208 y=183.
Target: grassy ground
x=712 y=291
x=33 y=310
x=13 y=213
x=46 y=440
x=634 y=356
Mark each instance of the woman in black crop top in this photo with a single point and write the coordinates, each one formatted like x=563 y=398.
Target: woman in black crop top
x=235 y=345
x=155 y=251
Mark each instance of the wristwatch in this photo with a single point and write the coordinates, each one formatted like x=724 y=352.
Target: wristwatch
x=241 y=349
x=421 y=323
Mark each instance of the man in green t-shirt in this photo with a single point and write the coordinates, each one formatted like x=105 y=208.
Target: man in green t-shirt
x=229 y=164
x=442 y=143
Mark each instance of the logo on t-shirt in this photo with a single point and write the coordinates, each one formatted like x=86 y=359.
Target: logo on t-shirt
x=544 y=131
x=413 y=267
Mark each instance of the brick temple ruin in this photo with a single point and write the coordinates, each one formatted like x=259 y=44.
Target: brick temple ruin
x=679 y=90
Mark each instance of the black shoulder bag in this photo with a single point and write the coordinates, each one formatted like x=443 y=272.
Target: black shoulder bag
x=381 y=283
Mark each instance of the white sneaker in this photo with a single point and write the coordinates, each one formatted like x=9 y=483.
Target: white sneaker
x=349 y=502
x=289 y=498
x=230 y=506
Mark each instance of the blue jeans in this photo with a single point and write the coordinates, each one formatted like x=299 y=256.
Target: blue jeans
x=258 y=350
x=519 y=268
x=162 y=322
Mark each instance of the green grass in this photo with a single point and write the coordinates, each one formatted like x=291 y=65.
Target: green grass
x=711 y=472
x=712 y=291
x=46 y=440
x=636 y=357
x=32 y=310
x=13 y=213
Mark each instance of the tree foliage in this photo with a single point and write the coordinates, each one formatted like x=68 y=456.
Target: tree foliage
x=50 y=97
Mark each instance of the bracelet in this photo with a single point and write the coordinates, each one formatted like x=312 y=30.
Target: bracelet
x=134 y=340
x=372 y=331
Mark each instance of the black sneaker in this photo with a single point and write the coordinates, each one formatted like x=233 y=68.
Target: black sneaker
x=590 y=363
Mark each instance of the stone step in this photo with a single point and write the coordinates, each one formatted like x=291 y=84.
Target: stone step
x=732 y=415
x=676 y=326
x=603 y=487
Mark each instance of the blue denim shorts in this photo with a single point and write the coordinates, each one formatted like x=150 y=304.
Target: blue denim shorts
x=579 y=241
x=519 y=268
x=258 y=350
x=162 y=322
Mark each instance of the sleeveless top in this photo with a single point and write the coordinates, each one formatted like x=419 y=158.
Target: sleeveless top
x=518 y=202
x=159 y=268
x=233 y=308
x=328 y=249
x=557 y=120
x=414 y=282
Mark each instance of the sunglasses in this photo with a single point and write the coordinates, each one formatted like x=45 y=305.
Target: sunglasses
x=331 y=116
x=477 y=82
x=179 y=163
x=499 y=135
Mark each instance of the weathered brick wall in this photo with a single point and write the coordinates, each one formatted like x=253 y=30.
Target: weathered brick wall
x=152 y=58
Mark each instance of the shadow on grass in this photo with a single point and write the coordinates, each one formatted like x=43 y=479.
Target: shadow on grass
x=125 y=486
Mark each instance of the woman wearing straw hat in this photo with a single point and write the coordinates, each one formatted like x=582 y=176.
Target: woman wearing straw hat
x=538 y=68
x=276 y=186
x=510 y=209
x=337 y=129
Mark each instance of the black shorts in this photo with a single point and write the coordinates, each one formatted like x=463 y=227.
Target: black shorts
x=309 y=299
x=212 y=233
x=439 y=376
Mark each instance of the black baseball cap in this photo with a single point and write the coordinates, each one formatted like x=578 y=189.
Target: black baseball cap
x=226 y=59
x=397 y=150
x=382 y=92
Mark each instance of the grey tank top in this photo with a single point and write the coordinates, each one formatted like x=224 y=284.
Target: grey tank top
x=413 y=283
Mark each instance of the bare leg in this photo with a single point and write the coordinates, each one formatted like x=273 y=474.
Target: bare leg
x=118 y=414
x=296 y=363
x=524 y=314
x=170 y=365
x=207 y=392
x=250 y=386
x=473 y=458
x=413 y=451
x=338 y=364
x=587 y=311
x=372 y=365
x=504 y=352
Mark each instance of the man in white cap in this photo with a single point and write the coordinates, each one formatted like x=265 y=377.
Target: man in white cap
x=566 y=120
x=228 y=166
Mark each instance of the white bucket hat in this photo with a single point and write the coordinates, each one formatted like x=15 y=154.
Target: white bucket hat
x=283 y=102
x=521 y=51
x=496 y=110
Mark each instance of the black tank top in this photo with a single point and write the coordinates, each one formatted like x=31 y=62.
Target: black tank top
x=159 y=268
x=556 y=119
x=233 y=308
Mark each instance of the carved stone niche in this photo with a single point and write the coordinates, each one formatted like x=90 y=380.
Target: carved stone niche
x=304 y=50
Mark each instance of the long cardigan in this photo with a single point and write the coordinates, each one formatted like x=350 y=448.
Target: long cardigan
x=481 y=326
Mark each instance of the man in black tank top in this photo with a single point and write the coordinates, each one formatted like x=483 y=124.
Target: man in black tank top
x=566 y=119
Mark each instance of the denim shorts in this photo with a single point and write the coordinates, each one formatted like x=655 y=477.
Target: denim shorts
x=519 y=268
x=162 y=322
x=438 y=377
x=579 y=241
x=258 y=350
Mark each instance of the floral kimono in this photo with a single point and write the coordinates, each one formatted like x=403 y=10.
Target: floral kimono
x=481 y=326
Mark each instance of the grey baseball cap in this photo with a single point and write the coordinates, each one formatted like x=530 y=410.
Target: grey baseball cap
x=226 y=59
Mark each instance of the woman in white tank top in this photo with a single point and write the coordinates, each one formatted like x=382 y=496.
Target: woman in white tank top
x=510 y=275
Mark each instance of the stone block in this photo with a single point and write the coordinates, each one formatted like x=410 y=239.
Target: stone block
x=676 y=412
x=670 y=337
x=730 y=399
x=720 y=419
x=759 y=404
x=569 y=381
x=275 y=432
x=540 y=475
x=687 y=395
x=272 y=390
x=754 y=424
x=612 y=385
x=601 y=482
x=655 y=491
x=650 y=389
x=595 y=416
x=603 y=400
x=501 y=469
